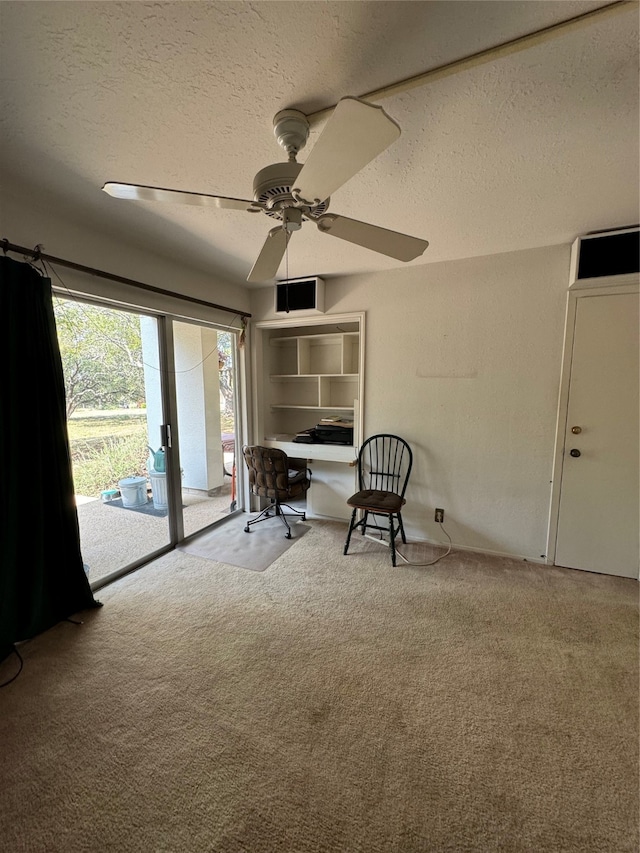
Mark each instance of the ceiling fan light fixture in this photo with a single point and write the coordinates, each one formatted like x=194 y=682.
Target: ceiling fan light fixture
x=292 y=218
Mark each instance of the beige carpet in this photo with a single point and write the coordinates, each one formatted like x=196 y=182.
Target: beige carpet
x=330 y=703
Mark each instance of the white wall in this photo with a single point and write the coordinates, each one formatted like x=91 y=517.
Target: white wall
x=463 y=360
x=152 y=380
x=27 y=219
x=198 y=401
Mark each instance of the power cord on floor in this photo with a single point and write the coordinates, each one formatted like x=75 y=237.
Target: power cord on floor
x=13 y=678
x=437 y=559
x=19 y=656
x=384 y=542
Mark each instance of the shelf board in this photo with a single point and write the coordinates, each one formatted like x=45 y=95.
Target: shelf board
x=313 y=408
x=324 y=338
x=313 y=375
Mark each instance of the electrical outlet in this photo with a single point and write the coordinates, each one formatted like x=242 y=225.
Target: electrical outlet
x=439 y=516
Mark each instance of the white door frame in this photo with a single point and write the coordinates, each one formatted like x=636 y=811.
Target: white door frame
x=607 y=285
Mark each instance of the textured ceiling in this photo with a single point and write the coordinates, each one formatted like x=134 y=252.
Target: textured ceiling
x=524 y=150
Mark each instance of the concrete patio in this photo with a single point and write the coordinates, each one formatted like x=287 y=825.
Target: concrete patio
x=113 y=536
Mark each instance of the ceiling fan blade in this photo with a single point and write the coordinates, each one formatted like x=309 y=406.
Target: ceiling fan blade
x=391 y=243
x=139 y=192
x=355 y=133
x=271 y=254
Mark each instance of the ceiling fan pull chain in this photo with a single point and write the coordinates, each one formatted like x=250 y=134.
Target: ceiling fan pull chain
x=286 y=267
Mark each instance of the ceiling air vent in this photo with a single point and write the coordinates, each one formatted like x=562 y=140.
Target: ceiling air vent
x=602 y=254
x=300 y=296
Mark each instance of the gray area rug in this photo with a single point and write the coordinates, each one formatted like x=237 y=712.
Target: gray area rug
x=255 y=550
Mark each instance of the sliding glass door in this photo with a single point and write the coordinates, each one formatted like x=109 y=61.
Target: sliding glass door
x=151 y=413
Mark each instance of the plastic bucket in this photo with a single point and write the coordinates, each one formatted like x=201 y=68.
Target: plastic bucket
x=133 y=491
x=159 y=489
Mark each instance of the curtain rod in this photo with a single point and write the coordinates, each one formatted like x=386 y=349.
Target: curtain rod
x=38 y=255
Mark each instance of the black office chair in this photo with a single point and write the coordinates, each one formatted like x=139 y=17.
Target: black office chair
x=384 y=465
x=273 y=475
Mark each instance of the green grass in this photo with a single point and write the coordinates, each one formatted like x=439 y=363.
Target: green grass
x=227 y=423
x=110 y=425
x=108 y=448
x=99 y=466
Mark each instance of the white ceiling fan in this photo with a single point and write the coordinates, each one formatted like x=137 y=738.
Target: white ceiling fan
x=292 y=192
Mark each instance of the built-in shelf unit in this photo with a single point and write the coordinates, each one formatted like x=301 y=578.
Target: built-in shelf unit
x=305 y=370
x=318 y=371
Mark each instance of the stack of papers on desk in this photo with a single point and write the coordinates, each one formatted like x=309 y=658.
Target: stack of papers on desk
x=337 y=420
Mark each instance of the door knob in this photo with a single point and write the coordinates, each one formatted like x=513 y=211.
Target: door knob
x=574 y=453
x=576 y=430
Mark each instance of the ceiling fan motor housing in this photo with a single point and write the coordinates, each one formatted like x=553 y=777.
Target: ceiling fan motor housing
x=273 y=184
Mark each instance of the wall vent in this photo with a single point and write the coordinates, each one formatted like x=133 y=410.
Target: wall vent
x=300 y=296
x=605 y=253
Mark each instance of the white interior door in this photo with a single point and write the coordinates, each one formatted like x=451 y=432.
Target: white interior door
x=599 y=508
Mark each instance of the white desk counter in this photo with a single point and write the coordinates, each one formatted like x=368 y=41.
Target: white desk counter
x=333 y=480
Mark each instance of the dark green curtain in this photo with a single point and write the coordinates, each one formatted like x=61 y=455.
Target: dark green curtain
x=42 y=579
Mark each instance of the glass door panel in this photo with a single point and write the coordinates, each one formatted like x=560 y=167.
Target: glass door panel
x=205 y=386
x=114 y=410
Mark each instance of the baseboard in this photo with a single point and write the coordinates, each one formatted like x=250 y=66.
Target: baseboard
x=455 y=547
x=412 y=540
